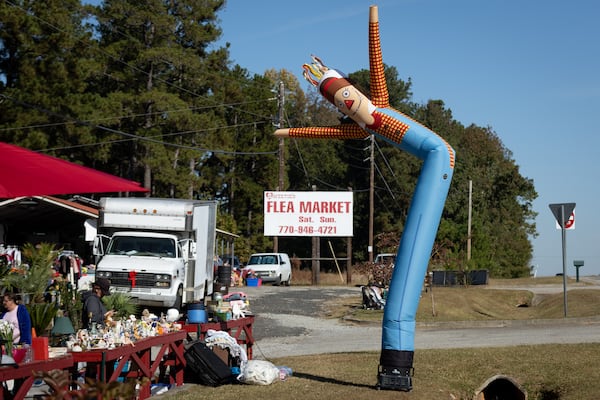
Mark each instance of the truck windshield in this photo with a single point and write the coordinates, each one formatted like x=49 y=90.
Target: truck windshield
x=142 y=246
x=263 y=259
x=385 y=259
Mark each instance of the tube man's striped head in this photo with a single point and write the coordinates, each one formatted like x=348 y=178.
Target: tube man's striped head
x=330 y=83
x=327 y=80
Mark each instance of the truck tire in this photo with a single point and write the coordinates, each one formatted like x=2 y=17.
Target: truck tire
x=278 y=281
x=288 y=282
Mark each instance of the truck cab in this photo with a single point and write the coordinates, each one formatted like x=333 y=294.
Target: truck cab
x=159 y=279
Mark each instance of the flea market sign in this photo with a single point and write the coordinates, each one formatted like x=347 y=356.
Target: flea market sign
x=308 y=213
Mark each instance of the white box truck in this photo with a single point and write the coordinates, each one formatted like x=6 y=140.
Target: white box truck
x=158 y=251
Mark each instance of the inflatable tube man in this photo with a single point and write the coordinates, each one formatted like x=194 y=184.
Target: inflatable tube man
x=376 y=117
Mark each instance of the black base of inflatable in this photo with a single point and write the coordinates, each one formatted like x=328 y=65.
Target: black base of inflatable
x=396 y=379
x=395 y=370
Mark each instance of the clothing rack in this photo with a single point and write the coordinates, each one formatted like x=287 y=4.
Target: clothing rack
x=12 y=254
x=68 y=264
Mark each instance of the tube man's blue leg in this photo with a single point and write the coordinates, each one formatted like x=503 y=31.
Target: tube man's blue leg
x=411 y=266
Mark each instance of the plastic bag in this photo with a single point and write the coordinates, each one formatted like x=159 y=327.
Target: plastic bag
x=259 y=372
x=284 y=372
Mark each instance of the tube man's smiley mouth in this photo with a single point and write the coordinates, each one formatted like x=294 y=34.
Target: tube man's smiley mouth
x=349 y=103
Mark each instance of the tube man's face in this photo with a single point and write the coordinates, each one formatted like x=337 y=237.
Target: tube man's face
x=354 y=104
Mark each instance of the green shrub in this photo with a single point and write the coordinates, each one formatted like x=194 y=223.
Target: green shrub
x=121 y=303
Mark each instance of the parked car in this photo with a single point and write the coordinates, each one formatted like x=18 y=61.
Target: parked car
x=385 y=258
x=233 y=260
x=273 y=268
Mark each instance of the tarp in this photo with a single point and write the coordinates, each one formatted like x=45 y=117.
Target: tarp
x=26 y=173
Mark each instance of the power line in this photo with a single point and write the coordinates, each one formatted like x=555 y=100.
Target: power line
x=132 y=136
x=384 y=181
x=7 y=129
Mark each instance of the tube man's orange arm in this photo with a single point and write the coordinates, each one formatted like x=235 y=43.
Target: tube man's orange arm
x=344 y=131
x=379 y=93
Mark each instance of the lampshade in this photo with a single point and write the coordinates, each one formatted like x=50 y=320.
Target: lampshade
x=62 y=326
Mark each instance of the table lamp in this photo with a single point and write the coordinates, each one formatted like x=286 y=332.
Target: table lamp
x=61 y=330
x=62 y=326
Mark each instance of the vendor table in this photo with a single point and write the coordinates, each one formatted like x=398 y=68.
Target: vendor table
x=23 y=374
x=111 y=363
x=240 y=329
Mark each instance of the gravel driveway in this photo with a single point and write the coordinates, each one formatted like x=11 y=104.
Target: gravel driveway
x=289 y=322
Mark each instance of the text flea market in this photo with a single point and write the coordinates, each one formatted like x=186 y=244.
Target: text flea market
x=332 y=207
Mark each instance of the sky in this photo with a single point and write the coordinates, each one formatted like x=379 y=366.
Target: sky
x=530 y=70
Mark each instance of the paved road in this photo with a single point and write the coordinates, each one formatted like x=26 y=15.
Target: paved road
x=289 y=322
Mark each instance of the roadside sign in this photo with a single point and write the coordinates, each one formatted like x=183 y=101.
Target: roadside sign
x=308 y=213
x=569 y=224
x=563 y=213
x=563 y=210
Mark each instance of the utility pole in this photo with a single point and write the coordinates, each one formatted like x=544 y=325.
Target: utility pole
x=316 y=255
x=469 y=220
x=349 y=255
x=280 y=184
x=371 y=197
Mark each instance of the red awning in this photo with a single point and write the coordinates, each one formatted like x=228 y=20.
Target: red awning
x=26 y=173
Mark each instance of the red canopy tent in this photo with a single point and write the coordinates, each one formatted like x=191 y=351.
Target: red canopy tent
x=26 y=173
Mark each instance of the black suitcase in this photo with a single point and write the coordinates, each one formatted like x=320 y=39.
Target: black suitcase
x=205 y=367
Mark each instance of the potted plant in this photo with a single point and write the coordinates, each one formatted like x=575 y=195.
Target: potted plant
x=31 y=279
x=70 y=300
x=6 y=336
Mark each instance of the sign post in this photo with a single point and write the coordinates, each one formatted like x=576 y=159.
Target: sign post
x=578 y=264
x=562 y=213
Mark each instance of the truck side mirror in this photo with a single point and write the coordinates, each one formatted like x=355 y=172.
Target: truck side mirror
x=98 y=248
x=188 y=249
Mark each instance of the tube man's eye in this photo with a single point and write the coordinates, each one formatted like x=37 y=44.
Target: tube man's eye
x=341 y=104
x=346 y=93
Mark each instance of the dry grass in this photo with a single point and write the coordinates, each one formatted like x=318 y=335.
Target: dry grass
x=304 y=277
x=460 y=304
x=546 y=372
x=479 y=303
